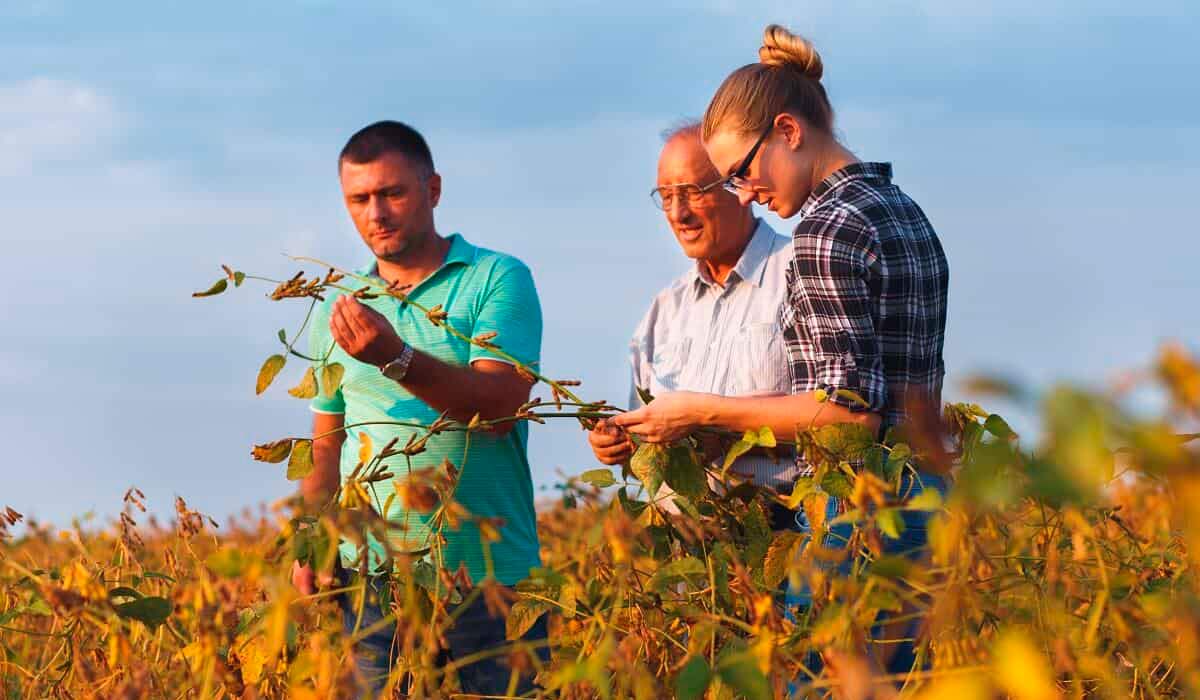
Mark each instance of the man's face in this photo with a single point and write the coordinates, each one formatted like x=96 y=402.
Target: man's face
x=391 y=202
x=711 y=226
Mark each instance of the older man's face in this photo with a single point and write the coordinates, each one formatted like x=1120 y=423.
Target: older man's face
x=706 y=227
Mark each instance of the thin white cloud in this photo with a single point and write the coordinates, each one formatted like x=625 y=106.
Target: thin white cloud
x=45 y=120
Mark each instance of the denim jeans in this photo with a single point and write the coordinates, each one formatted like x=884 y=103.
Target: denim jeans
x=474 y=630
x=912 y=544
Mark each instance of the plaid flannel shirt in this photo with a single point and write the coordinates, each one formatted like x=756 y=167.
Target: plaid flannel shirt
x=867 y=292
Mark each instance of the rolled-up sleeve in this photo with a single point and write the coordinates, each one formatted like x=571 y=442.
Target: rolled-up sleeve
x=510 y=309
x=829 y=318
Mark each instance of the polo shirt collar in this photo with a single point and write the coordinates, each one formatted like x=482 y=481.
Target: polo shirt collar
x=751 y=267
x=879 y=172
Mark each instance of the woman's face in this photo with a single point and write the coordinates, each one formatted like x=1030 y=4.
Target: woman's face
x=775 y=177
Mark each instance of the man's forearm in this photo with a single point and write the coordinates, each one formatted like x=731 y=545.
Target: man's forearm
x=319 y=486
x=783 y=414
x=465 y=391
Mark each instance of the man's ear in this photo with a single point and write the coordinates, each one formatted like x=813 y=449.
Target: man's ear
x=792 y=130
x=435 y=189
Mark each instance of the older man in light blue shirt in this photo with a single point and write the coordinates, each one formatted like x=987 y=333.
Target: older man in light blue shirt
x=715 y=328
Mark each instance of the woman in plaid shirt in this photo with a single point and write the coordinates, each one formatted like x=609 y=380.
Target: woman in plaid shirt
x=867 y=284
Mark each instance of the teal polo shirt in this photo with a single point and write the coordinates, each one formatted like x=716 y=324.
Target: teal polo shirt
x=481 y=291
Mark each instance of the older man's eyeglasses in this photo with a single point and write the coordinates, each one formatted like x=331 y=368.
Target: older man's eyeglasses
x=685 y=192
x=737 y=179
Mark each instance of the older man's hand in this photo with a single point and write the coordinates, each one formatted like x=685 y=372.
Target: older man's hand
x=363 y=332
x=667 y=418
x=610 y=444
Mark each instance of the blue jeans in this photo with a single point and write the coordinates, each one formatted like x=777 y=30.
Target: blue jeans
x=474 y=630
x=912 y=544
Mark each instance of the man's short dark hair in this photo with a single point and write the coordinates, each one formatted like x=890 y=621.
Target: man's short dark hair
x=371 y=142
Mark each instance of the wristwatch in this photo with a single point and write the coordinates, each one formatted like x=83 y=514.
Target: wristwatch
x=398 y=368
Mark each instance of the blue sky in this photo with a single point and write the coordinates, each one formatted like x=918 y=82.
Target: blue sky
x=1054 y=145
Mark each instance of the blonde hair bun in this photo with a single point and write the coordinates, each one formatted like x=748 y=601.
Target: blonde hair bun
x=782 y=48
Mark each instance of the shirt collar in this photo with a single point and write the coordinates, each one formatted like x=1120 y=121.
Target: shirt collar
x=880 y=172
x=751 y=267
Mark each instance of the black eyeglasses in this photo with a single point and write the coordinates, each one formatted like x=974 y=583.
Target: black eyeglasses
x=737 y=181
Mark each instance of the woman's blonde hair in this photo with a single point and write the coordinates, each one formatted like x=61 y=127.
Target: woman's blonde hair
x=787 y=78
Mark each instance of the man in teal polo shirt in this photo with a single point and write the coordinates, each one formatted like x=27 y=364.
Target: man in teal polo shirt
x=401 y=367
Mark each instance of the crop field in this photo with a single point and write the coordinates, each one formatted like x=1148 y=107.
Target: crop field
x=1061 y=569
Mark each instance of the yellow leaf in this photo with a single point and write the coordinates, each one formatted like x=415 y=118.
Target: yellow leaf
x=331 y=379
x=766 y=437
x=366 y=450
x=300 y=464
x=307 y=388
x=1021 y=669
x=273 y=452
x=269 y=370
x=958 y=687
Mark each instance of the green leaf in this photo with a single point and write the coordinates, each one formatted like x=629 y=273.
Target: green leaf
x=845 y=441
x=123 y=592
x=644 y=395
x=307 y=388
x=837 y=484
x=891 y=566
x=678 y=570
x=649 y=464
x=693 y=679
x=218 y=287
x=800 y=490
x=890 y=523
x=685 y=473
x=230 y=562
x=238 y=278
x=779 y=556
x=765 y=437
x=874 y=460
x=599 y=478
x=896 y=460
x=269 y=371
x=740 y=671
x=300 y=464
x=998 y=427
x=929 y=499
x=522 y=615
x=151 y=611
x=331 y=378
x=283 y=336
x=736 y=450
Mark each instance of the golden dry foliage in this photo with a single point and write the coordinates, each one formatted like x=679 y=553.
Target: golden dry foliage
x=1061 y=571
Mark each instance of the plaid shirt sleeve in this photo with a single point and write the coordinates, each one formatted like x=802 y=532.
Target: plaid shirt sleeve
x=829 y=321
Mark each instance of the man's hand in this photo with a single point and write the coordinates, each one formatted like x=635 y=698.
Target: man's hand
x=610 y=444
x=667 y=418
x=363 y=332
x=305 y=580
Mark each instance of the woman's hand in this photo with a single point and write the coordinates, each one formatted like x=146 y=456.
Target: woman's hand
x=667 y=418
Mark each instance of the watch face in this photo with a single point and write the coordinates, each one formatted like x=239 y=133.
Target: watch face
x=397 y=368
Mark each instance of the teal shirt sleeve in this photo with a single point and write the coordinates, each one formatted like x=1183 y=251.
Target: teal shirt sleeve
x=510 y=308
x=319 y=340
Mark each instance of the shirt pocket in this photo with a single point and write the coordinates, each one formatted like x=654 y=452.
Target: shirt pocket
x=668 y=364
x=758 y=361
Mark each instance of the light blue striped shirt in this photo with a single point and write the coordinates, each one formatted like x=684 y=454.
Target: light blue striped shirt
x=700 y=336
